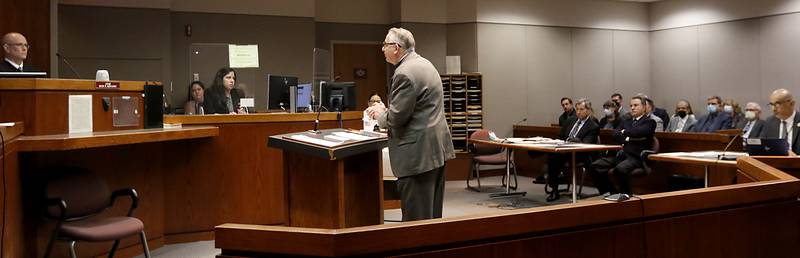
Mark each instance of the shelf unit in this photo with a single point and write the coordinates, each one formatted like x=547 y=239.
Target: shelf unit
x=463 y=106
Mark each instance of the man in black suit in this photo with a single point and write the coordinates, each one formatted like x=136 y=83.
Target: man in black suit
x=635 y=134
x=579 y=128
x=15 y=51
x=754 y=125
x=785 y=123
x=569 y=111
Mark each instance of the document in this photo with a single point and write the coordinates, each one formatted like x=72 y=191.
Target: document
x=353 y=136
x=453 y=64
x=80 y=113
x=243 y=56
x=316 y=141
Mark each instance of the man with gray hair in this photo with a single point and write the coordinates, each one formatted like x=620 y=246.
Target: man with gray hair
x=752 y=113
x=419 y=139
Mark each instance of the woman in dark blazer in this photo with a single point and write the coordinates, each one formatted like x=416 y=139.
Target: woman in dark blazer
x=222 y=97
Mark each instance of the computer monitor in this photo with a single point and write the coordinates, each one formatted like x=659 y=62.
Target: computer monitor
x=303 y=97
x=278 y=91
x=339 y=96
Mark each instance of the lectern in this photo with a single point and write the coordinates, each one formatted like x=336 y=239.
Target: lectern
x=333 y=177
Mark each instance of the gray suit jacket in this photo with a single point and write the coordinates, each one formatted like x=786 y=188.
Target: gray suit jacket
x=673 y=123
x=419 y=140
x=771 y=129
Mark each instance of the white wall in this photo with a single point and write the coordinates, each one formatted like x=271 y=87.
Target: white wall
x=568 y=13
x=527 y=69
x=745 y=60
x=353 y=11
x=427 y=11
x=681 y=13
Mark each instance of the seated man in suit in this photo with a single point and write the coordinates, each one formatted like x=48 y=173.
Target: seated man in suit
x=715 y=120
x=578 y=128
x=754 y=124
x=649 y=110
x=635 y=134
x=15 y=51
x=785 y=123
x=683 y=117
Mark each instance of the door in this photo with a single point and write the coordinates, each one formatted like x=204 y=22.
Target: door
x=364 y=64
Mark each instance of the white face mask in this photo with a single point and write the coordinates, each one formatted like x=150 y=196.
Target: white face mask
x=750 y=115
x=727 y=109
x=608 y=112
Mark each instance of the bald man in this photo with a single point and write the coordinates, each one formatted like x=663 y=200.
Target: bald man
x=785 y=123
x=15 y=51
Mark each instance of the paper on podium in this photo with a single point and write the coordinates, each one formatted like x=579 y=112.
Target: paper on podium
x=316 y=141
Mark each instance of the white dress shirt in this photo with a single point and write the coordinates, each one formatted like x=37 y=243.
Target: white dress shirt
x=789 y=128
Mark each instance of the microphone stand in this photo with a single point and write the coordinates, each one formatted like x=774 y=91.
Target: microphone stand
x=71 y=68
x=339 y=118
x=316 y=122
x=722 y=155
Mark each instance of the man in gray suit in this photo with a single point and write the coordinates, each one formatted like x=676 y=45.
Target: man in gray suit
x=785 y=123
x=754 y=124
x=419 y=140
x=683 y=117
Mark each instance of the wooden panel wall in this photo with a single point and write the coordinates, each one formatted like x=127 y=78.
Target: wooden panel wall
x=32 y=19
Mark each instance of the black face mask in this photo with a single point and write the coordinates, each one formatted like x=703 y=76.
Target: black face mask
x=682 y=114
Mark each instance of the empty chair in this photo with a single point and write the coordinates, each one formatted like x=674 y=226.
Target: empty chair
x=484 y=154
x=73 y=197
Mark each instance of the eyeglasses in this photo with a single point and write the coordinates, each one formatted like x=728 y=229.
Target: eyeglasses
x=386 y=44
x=25 y=45
x=778 y=103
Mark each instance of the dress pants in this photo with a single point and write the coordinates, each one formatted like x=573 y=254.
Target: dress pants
x=556 y=161
x=422 y=195
x=623 y=164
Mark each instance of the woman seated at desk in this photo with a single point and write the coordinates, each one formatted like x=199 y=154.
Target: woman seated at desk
x=222 y=97
x=196 y=96
x=369 y=123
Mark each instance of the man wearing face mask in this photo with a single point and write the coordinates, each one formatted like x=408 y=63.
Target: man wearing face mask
x=731 y=108
x=683 y=118
x=611 y=117
x=715 y=120
x=752 y=113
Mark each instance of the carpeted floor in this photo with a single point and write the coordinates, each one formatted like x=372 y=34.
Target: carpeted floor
x=458 y=202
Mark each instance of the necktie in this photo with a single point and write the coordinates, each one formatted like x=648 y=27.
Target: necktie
x=746 y=130
x=784 y=132
x=574 y=131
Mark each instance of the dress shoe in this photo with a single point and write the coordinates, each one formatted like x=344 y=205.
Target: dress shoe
x=553 y=196
x=541 y=179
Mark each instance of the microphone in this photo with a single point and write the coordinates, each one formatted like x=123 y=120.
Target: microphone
x=316 y=122
x=339 y=118
x=71 y=68
x=722 y=155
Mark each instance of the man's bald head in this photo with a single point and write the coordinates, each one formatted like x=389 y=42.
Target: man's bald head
x=15 y=47
x=782 y=103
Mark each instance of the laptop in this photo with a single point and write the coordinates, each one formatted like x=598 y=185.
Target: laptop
x=767 y=147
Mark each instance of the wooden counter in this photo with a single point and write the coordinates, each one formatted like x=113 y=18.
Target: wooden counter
x=43 y=103
x=757 y=219
x=215 y=169
x=62 y=142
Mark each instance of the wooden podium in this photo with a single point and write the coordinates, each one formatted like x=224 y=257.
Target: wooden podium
x=332 y=186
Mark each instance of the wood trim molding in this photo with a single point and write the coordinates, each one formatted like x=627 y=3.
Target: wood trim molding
x=67 y=84
x=260 y=118
x=60 y=142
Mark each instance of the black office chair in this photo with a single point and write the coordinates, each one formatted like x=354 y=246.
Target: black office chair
x=73 y=197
